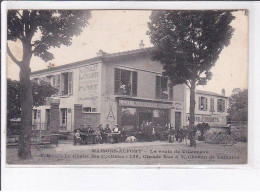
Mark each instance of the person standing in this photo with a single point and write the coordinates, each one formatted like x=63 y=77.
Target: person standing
x=105 y=133
x=171 y=135
x=146 y=130
x=142 y=131
x=89 y=129
x=77 y=137
x=116 y=135
x=102 y=133
x=149 y=131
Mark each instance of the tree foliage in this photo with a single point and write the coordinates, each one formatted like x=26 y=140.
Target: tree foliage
x=39 y=31
x=39 y=91
x=188 y=44
x=238 y=106
x=54 y=28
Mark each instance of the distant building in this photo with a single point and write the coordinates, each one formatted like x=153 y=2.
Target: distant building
x=125 y=88
x=210 y=108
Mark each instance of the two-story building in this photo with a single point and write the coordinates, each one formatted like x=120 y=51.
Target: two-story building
x=210 y=108
x=126 y=88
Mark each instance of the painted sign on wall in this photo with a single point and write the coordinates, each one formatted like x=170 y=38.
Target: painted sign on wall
x=143 y=104
x=212 y=120
x=89 y=85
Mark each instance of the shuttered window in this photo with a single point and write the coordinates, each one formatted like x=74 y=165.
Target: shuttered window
x=221 y=105
x=125 y=82
x=70 y=84
x=134 y=83
x=203 y=103
x=158 y=87
x=212 y=102
x=117 y=80
x=161 y=90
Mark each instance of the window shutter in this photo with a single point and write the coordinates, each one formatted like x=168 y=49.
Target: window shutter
x=206 y=104
x=54 y=81
x=224 y=105
x=58 y=84
x=158 y=87
x=134 y=83
x=62 y=84
x=117 y=81
x=199 y=103
x=211 y=104
x=70 y=87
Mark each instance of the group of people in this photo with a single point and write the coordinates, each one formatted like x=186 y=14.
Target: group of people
x=147 y=132
x=150 y=132
x=102 y=135
x=181 y=134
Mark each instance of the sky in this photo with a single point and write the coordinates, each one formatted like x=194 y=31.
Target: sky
x=118 y=30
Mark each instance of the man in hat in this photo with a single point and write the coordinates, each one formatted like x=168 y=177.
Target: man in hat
x=104 y=134
x=107 y=129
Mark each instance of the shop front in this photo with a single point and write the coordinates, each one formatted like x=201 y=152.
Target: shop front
x=133 y=112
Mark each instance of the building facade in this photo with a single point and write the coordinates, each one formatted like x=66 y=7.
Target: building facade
x=124 y=88
x=210 y=108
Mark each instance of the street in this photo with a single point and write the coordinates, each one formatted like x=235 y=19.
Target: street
x=138 y=153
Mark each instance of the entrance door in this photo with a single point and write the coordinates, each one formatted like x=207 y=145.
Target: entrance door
x=177 y=120
x=144 y=116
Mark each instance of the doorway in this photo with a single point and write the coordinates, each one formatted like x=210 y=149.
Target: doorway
x=144 y=116
x=177 y=120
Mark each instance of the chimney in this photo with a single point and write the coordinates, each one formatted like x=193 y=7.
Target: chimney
x=100 y=53
x=141 y=45
x=50 y=65
x=223 y=92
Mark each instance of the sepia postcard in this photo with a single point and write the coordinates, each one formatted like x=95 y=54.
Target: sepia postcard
x=127 y=87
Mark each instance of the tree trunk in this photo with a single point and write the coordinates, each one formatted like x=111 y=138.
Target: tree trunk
x=24 y=151
x=192 y=102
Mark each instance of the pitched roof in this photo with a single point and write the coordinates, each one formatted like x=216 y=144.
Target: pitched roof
x=210 y=93
x=105 y=56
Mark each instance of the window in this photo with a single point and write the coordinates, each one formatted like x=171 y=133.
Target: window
x=34 y=115
x=63 y=117
x=125 y=82
x=48 y=117
x=212 y=103
x=56 y=83
x=39 y=114
x=49 y=79
x=161 y=90
x=203 y=104
x=86 y=109
x=64 y=83
x=221 y=105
